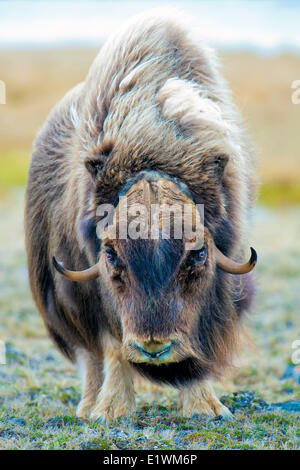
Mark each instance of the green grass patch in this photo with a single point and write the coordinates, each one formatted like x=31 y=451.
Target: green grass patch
x=279 y=194
x=14 y=166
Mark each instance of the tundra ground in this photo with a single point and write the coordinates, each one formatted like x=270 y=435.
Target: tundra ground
x=39 y=390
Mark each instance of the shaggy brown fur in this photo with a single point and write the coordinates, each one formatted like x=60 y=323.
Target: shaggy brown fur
x=153 y=101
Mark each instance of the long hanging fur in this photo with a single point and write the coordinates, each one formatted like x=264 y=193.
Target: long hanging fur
x=152 y=100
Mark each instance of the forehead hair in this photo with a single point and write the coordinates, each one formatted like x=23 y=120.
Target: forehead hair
x=153 y=262
x=157 y=199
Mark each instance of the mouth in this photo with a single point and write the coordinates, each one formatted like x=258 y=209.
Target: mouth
x=155 y=355
x=157 y=352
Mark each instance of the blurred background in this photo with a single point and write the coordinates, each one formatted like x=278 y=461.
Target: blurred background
x=46 y=47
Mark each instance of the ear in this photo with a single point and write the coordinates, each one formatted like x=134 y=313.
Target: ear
x=86 y=234
x=94 y=166
x=220 y=163
x=214 y=165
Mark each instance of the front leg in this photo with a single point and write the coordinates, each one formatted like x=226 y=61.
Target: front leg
x=116 y=397
x=90 y=369
x=199 y=398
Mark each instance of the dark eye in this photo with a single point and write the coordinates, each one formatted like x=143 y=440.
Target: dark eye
x=198 y=256
x=111 y=256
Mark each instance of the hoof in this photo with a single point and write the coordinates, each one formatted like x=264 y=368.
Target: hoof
x=226 y=414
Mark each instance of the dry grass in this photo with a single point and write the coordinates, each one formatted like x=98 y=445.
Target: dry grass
x=261 y=86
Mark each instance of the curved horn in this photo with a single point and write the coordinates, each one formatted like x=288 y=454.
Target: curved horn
x=77 y=276
x=231 y=266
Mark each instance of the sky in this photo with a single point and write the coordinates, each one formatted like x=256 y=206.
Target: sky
x=266 y=25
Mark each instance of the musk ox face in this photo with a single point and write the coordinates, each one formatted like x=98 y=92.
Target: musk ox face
x=157 y=288
x=156 y=266
x=157 y=280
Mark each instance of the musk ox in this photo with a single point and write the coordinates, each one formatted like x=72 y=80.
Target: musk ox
x=153 y=123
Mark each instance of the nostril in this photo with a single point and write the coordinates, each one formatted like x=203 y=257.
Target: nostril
x=157 y=353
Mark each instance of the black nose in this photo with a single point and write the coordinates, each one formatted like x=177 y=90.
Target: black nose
x=154 y=351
